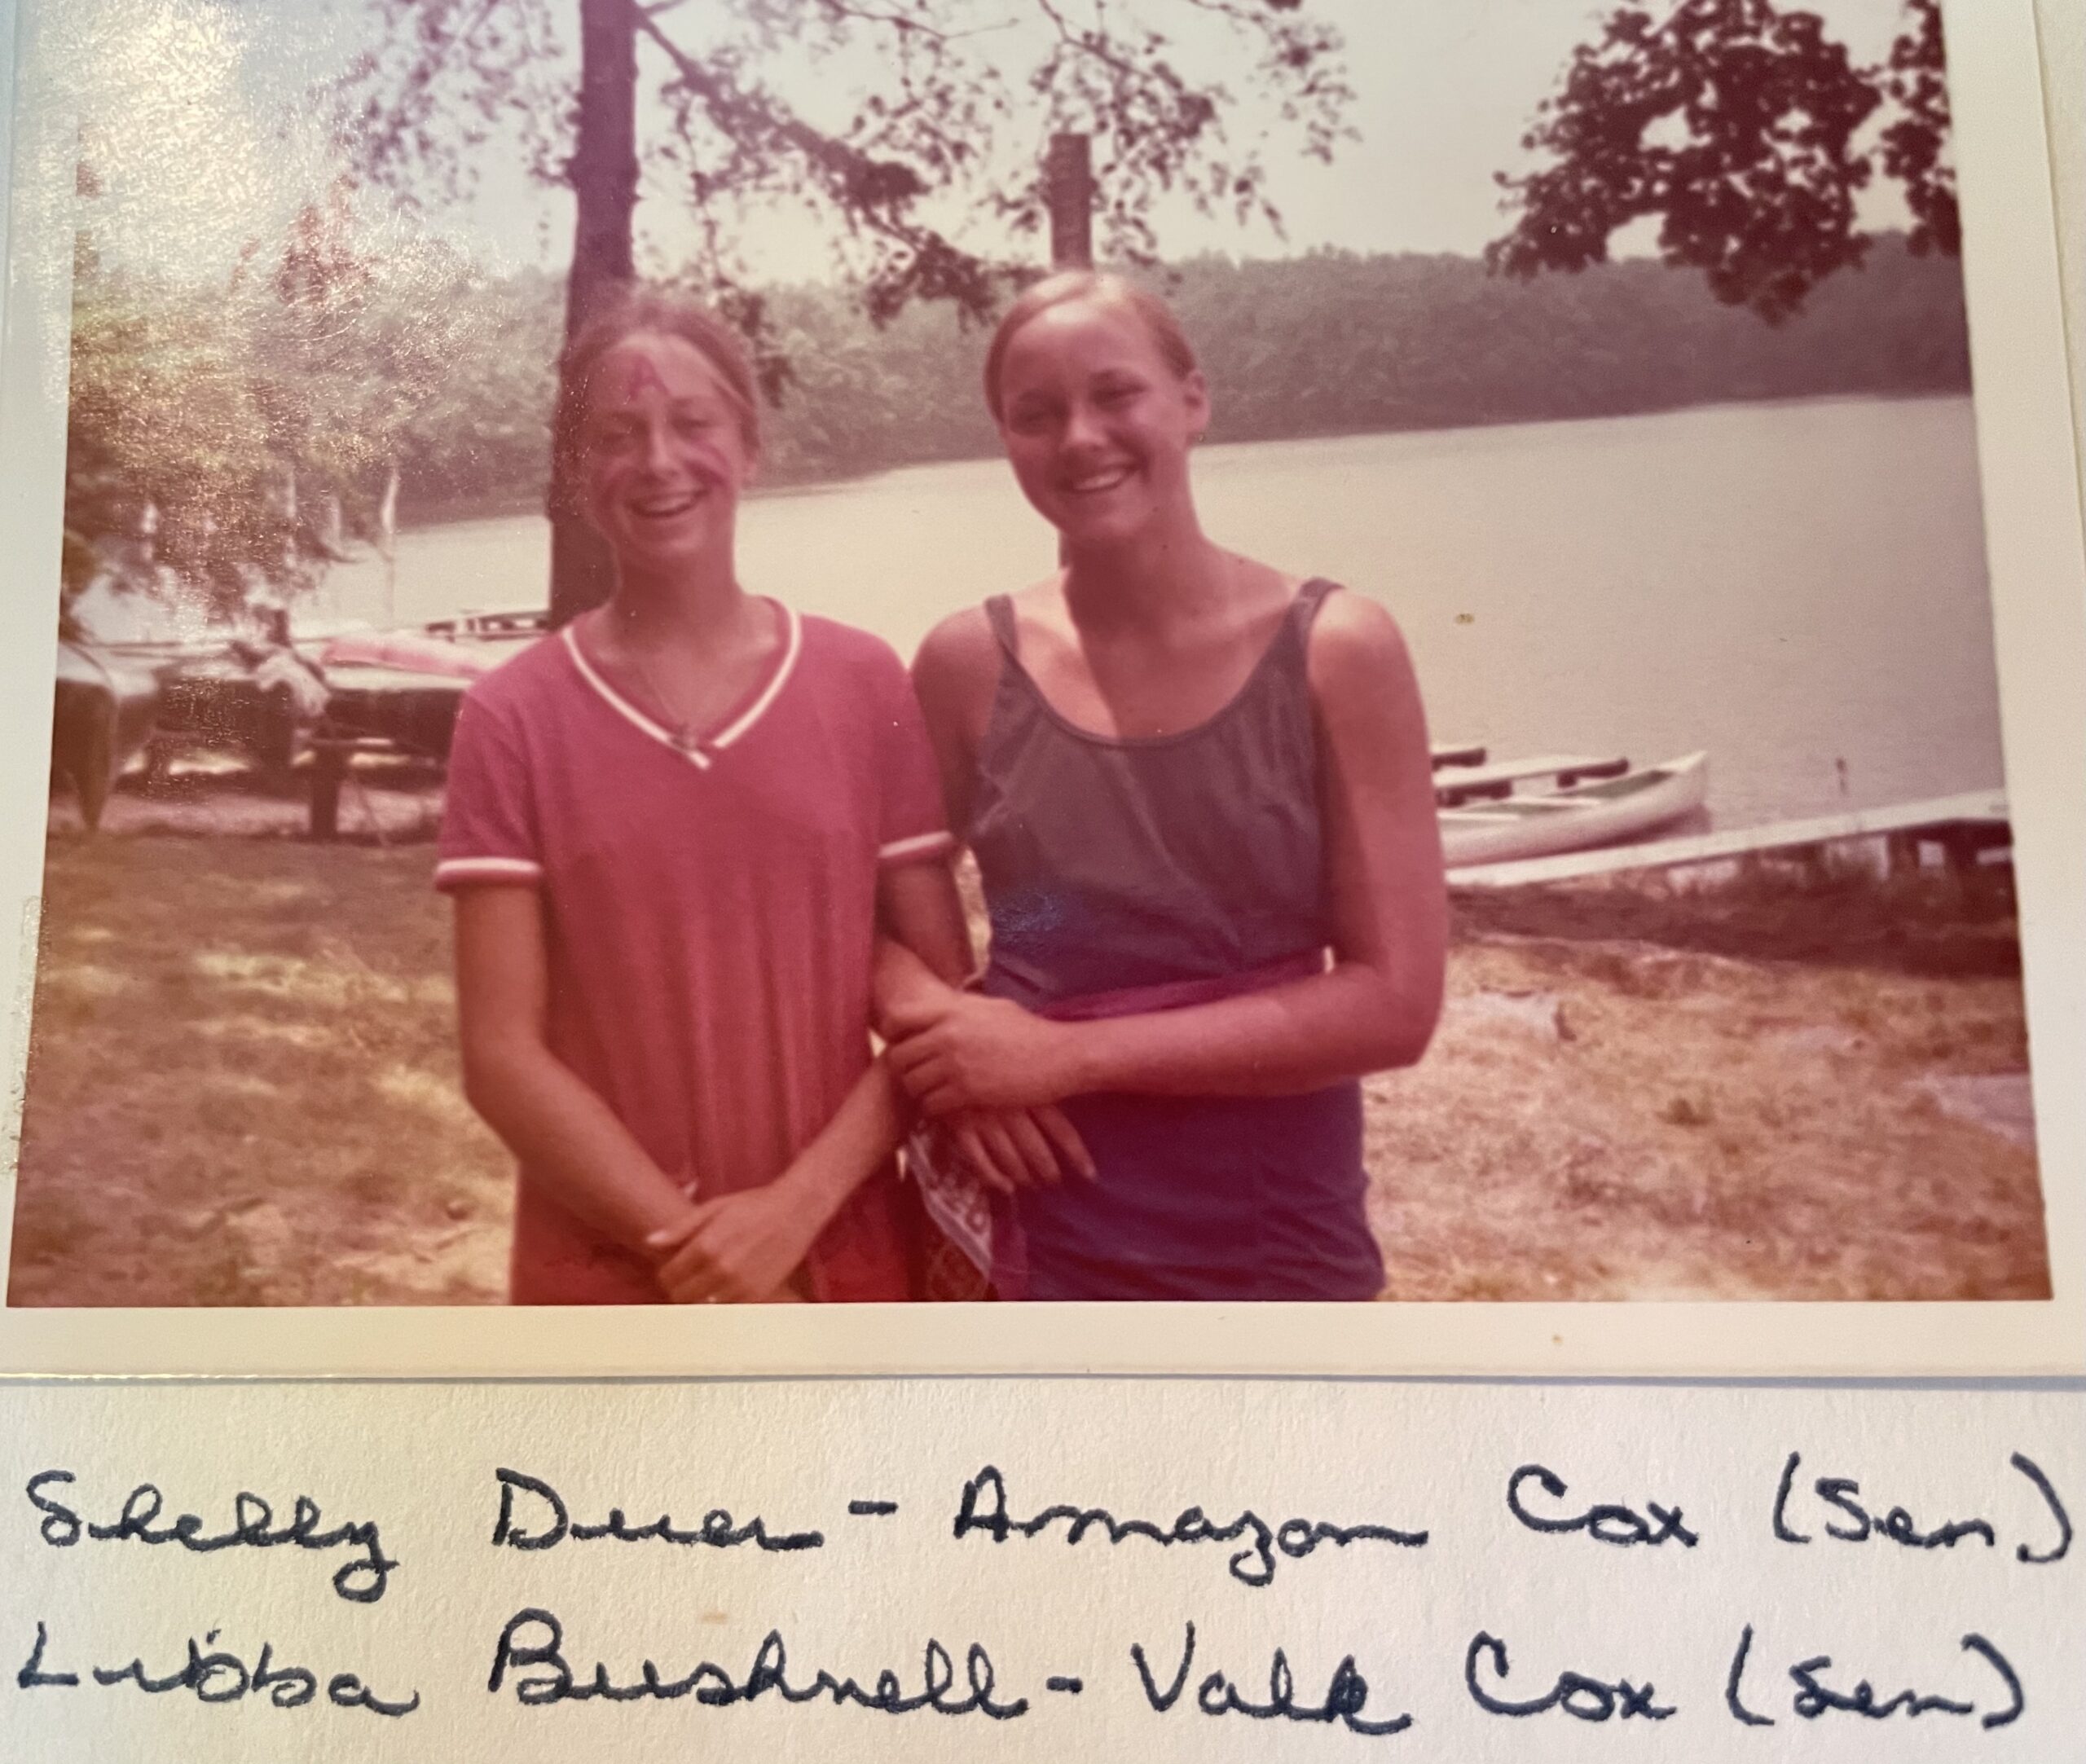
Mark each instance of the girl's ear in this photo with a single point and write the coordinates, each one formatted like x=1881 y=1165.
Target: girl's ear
x=1194 y=392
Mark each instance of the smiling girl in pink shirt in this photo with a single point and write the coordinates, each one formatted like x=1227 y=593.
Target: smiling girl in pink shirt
x=673 y=831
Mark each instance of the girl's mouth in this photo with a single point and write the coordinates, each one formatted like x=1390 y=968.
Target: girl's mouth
x=1093 y=483
x=664 y=508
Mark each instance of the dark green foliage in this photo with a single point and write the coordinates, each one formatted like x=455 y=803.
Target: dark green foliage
x=1331 y=343
x=1743 y=129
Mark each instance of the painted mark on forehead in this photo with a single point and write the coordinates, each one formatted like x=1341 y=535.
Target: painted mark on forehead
x=643 y=376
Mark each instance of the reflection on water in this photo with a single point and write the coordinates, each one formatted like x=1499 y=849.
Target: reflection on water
x=1799 y=588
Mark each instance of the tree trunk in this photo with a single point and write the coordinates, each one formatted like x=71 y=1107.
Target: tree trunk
x=604 y=174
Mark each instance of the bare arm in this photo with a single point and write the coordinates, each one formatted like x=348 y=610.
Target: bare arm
x=744 y=1246
x=1375 y=1008
x=547 y=1115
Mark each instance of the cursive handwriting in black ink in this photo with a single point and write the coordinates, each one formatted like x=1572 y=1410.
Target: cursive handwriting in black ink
x=983 y=1508
x=717 y=1532
x=1346 y=1696
x=1575 y=1693
x=1840 y=1492
x=1783 y=1490
x=1607 y=1522
x=33 y=1677
x=361 y=1582
x=1814 y=1700
x=2033 y=1471
x=219 y=1676
x=1162 y=1701
x=714 y=1687
x=1735 y=1682
x=871 y=1509
x=2017 y=1695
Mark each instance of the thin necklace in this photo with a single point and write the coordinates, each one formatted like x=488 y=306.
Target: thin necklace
x=680 y=733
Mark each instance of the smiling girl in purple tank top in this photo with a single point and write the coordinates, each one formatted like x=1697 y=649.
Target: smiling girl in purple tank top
x=1199 y=794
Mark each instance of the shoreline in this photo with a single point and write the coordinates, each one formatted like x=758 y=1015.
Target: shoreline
x=490 y=511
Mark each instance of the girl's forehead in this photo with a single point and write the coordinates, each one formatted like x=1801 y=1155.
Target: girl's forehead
x=647 y=362
x=1084 y=335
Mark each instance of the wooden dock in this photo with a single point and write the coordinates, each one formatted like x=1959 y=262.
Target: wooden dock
x=1962 y=826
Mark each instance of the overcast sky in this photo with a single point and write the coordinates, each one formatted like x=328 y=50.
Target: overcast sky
x=182 y=102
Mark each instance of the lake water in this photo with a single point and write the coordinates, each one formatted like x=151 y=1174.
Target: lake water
x=1798 y=588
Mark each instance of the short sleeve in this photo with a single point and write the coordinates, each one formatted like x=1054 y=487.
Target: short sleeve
x=913 y=824
x=488 y=817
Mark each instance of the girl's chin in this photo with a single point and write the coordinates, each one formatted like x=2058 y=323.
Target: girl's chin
x=1101 y=527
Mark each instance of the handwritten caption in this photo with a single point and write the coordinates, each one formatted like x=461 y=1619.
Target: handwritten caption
x=534 y=1661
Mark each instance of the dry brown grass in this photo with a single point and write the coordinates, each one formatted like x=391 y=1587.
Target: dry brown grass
x=1711 y=1127
x=242 y=1091
x=242 y=1084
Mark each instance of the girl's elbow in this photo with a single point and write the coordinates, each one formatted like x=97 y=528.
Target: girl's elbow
x=494 y=1068
x=1401 y=1025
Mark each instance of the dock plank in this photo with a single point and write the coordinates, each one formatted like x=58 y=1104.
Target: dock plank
x=1985 y=809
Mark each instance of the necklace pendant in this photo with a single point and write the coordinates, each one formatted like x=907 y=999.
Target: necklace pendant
x=686 y=740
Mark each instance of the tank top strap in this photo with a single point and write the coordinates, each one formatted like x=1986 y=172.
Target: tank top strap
x=999 y=615
x=1286 y=669
x=1309 y=598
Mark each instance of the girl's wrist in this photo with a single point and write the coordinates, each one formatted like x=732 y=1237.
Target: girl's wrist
x=818 y=1185
x=1081 y=1064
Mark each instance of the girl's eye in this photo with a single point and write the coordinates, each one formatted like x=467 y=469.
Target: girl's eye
x=1029 y=418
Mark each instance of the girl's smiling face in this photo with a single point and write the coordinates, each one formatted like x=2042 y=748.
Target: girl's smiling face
x=1096 y=422
x=664 y=452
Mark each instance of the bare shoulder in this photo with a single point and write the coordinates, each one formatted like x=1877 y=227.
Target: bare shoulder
x=1356 y=645
x=959 y=648
x=955 y=675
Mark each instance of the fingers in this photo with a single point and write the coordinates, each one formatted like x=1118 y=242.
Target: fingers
x=1039 y=1157
x=908 y=1058
x=942 y=1096
x=673 y=1236
x=971 y=1145
x=1072 y=1155
x=691 y=1269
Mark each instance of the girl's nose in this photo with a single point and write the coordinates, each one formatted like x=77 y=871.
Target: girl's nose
x=659 y=448
x=1082 y=426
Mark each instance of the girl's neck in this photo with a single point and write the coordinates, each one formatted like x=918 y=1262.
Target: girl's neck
x=702 y=607
x=1157 y=579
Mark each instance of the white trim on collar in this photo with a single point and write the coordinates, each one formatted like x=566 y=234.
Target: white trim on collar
x=793 y=642
x=703 y=754
x=622 y=706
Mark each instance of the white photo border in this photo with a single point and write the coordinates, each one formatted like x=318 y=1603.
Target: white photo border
x=2029 y=460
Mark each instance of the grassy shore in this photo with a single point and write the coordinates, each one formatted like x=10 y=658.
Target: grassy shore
x=243 y=1090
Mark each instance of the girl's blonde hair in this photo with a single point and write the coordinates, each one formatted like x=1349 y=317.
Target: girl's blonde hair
x=640 y=311
x=1068 y=286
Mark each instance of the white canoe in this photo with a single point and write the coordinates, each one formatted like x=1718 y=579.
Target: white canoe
x=1603 y=812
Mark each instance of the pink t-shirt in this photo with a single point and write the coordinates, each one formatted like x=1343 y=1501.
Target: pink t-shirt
x=711 y=917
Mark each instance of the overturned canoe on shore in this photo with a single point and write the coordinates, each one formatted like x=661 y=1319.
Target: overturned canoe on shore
x=102 y=714
x=1604 y=811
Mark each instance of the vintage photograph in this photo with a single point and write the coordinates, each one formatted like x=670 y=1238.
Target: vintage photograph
x=998 y=650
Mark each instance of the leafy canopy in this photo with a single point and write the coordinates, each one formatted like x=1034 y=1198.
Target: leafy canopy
x=1740 y=126
x=900 y=124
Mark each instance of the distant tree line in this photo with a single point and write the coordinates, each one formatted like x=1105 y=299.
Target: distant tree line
x=1333 y=343
x=316 y=397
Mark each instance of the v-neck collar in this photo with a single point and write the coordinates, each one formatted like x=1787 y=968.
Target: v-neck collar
x=739 y=722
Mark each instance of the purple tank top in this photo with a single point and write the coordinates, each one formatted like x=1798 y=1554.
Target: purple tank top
x=1172 y=868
